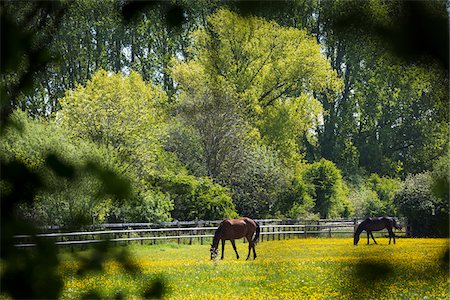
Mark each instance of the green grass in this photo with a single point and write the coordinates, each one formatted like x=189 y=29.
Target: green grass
x=292 y=269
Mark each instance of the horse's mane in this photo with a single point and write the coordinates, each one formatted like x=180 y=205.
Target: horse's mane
x=396 y=225
x=361 y=227
x=218 y=231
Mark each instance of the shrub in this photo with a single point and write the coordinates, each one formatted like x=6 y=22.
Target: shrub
x=416 y=202
x=80 y=199
x=196 y=198
x=328 y=189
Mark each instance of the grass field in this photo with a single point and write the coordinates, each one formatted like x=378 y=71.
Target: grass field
x=291 y=269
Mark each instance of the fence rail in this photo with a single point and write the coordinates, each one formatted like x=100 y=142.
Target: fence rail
x=271 y=229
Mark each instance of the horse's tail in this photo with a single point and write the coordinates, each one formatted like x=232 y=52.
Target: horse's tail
x=258 y=230
x=396 y=225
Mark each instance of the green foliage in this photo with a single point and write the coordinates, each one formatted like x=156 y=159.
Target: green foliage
x=105 y=111
x=116 y=110
x=295 y=201
x=440 y=190
x=196 y=198
x=90 y=35
x=416 y=202
x=185 y=142
x=66 y=201
x=69 y=200
x=251 y=72
x=252 y=100
x=147 y=206
x=402 y=123
x=385 y=189
x=328 y=189
x=366 y=202
x=391 y=116
x=257 y=180
x=440 y=181
x=248 y=93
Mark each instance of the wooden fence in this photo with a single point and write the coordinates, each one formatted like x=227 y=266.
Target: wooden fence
x=191 y=232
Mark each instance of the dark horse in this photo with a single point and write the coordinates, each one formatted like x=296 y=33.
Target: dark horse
x=375 y=224
x=231 y=229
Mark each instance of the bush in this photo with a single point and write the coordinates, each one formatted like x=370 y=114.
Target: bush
x=256 y=179
x=295 y=202
x=416 y=202
x=196 y=198
x=375 y=197
x=328 y=189
x=366 y=202
x=440 y=180
x=81 y=199
x=146 y=206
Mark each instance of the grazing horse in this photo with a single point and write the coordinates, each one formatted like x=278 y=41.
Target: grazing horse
x=231 y=229
x=375 y=224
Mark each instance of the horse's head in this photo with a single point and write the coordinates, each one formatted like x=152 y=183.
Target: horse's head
x=356 y=239
x=213 y=251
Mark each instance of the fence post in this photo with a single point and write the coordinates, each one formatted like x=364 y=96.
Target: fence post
x=329 y=231
x=354 y=225
x=306 y=229
x=261 y=230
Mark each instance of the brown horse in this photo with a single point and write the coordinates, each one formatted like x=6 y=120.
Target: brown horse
x=375 y=224
x=231 y=229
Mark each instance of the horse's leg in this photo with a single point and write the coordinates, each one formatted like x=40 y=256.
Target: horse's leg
x=368 y=238
x=234 y=247
x=223 y=248
x=391 y=235
x=249 y=247
x=254 y=251
x=371 y=234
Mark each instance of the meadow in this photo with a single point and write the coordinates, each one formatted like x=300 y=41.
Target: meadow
x=314 y=268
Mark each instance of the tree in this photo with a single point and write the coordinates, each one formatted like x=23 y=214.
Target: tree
x=440 y=188
x=328 y=189
x=196 y=198
x=295 y=201
x=416 y=202
x=440 y=179
x=365 y=202
x=247 y=74
x=389 y=118
x=257 y=180
x=128 y=115
x=401 y=124
x=118 y=111
x=72 y=200
x=112 y=35
x=385 y=189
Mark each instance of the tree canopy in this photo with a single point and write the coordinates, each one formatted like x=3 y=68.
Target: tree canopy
x=303 y=109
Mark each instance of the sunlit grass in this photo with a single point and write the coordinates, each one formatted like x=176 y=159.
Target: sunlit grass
x=291 y=269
